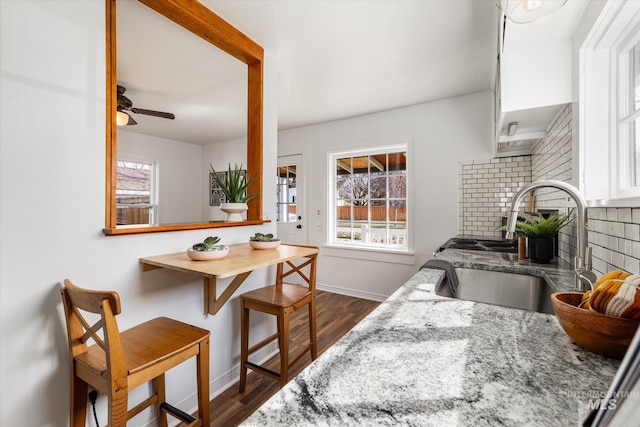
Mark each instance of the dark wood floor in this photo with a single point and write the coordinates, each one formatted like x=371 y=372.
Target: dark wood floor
x=335 y=315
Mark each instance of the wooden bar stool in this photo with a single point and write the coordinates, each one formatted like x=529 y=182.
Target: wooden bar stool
x=281 y=300
x=121 y=361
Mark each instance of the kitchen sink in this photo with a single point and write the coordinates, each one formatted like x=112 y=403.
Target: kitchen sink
x=507 y=289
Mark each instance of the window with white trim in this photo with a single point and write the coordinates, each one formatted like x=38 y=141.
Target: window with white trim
x=610 y=105
x=135 y=192
x=629 y=115
x=368 y=198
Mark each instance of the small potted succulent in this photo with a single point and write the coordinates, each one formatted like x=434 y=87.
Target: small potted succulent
x=264 y=241
x=207 y=250
x=235 y=191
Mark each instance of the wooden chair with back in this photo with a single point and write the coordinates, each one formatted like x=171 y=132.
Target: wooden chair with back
x=121 y=361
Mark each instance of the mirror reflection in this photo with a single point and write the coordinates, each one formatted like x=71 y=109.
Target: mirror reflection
x=182 y=104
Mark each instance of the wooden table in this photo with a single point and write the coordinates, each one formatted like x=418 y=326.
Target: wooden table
x=240 y=262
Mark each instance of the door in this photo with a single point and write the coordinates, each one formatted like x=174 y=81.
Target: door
x=290 y=216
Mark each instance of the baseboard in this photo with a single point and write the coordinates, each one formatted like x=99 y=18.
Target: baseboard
x=351 y=292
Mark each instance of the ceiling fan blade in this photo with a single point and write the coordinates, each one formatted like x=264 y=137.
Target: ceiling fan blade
x=153 y=113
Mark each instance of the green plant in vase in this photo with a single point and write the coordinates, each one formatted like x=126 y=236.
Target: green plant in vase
x=234 y=188
x=540 y=233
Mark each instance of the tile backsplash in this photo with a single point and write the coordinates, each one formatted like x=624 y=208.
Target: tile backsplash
x=485 y=189
x=614 y=236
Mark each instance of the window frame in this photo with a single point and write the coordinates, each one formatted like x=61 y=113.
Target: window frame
x=604 y=148
x=154 y=187
x=625 y=118
x=372 y=149
x=282 y=198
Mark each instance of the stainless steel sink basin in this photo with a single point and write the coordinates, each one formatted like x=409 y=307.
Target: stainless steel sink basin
x=506 y=289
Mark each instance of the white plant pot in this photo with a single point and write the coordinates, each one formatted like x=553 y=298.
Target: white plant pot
x=234 y=211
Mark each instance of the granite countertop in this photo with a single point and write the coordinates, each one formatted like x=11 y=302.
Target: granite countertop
x=424 y=360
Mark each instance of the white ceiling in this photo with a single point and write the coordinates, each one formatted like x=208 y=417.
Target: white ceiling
x=335 y=59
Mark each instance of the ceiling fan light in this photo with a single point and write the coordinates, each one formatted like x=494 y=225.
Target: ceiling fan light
x=523 y=11
x=531 y=5
x=123 y=119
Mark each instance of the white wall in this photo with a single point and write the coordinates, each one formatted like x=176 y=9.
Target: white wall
x=52 y=168
x=441 y=134
x=220 y=155
x=182 y=181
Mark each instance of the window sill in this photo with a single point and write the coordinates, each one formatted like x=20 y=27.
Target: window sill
x=627 y=202
x=141 y=229
x=370 y=254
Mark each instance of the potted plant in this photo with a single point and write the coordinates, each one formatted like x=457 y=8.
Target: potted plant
x=264 y=241
x=207 y=250
x=540 y=233
x=235 y=191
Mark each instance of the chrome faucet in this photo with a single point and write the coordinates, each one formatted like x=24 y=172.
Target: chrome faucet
x=582 y=265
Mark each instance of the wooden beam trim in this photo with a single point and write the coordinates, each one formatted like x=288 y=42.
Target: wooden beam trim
x=199 y=19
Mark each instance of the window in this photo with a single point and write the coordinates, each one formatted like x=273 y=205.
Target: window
x=286 y=193
x=135 y=195
x=368 y=196
x=629 y=117
x=610 y=105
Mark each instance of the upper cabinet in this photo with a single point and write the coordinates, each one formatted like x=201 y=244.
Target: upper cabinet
x=533 y=77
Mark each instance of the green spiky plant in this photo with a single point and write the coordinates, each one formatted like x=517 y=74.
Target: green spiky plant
x=542 y=227
x=235 y=188
x=206 y=244
x=259 y=237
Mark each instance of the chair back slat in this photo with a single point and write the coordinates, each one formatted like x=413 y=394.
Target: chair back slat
x=311 y=281
x=107 y=305
x=90 y=331
x=90 y=300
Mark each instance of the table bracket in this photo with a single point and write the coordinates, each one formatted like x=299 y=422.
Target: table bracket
x=213 y=303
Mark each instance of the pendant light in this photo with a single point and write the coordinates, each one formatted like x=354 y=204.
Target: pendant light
x=523 y=11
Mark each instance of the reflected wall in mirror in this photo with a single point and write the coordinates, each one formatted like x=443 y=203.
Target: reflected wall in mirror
x=177 y=59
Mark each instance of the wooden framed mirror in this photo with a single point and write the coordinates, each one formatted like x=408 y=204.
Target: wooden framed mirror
x=203 y=23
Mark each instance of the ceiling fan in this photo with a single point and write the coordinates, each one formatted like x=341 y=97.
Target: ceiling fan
x=124 y=104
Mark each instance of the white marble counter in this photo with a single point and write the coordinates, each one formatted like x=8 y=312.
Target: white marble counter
x=424 y=360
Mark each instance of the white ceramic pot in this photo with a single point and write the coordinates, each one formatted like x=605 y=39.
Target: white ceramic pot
x=215 y=252
x=234 y=211
x=264 y=245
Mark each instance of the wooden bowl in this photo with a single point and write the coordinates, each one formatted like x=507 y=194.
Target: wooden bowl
x=607 y=335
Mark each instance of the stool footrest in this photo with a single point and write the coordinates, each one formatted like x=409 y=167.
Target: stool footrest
x=263 y=370
x=299 y=356
x=263 y=343
x=181 y=415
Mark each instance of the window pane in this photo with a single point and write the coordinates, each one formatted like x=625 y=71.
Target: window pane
x=133 y=193
x=398 y=186
x=378 y=186
x=635 y=155
x=397 y=161
x=286 y=193
x=343 y=212
x=635 y=60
